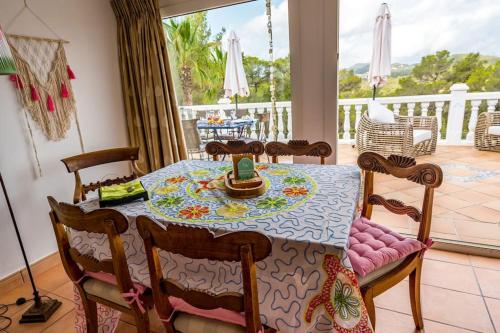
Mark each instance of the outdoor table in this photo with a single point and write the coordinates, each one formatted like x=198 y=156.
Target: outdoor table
x=305 y=285
x=229 y=124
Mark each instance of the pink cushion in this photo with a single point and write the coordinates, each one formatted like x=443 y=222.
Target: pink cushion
x=111 y=279
x=372 y=246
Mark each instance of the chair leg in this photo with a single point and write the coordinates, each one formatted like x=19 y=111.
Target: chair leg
x=90 y=308
x=141 y=322
x=416 y=308
x=370 y=305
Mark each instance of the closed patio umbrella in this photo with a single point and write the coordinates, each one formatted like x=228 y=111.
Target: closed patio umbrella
x=380 y=66
x=235 y=81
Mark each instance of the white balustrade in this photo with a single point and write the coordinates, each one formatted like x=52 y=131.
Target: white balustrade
x=473 y=119
x=449 y=108
x=347 y=122
x=411 y=109
x=424 y=108
x=439 y=116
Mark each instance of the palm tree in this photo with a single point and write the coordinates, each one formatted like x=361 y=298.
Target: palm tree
x=191 y=51
x=272 y=86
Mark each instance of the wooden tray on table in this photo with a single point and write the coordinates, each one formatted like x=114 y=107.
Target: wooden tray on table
x=244 y=189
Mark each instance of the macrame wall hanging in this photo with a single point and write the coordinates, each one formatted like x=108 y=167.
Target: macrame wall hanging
x=43 y=82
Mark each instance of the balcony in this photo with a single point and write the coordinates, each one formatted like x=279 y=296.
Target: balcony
x=467 y=205
x=456 y=113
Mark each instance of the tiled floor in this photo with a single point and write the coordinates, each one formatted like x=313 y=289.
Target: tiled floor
x=460 y=294
x=466 y=206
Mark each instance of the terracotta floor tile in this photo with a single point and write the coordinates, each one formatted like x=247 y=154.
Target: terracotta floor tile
x=452 y=257
x=449 y=188
x=495 y=204
x=66 y=324
x=484 y=262
x=481 y=213
x=440 y=305
x=436 y=209
x=65 y=308
x=494 y=309
x=450 y=202
x=472 y=196
x=439 y=225
x=390 y=219
x=381 y=189
x=488 y=189
x=401 y=196
x=12 y=295
x=480 y=241
x=443 y=236
x=453 y=216
x=451 y=276
x=398 y=184
x=478 y=229
x=489 y=281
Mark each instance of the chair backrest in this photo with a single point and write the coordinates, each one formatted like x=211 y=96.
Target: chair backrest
x=298 y=148
x=76 y=163
x=101 y=221
x=427 y=174
x=216 y=148
x=246 y=247
x=191 y=134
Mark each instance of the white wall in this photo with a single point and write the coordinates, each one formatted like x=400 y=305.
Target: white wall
x=90 y=27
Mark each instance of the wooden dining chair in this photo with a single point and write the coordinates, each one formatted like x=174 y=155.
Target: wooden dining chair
x=216 y=148
x=298 y=148
x=105 y=281
x=246 y=247
x=369 y=242
x=76 y=163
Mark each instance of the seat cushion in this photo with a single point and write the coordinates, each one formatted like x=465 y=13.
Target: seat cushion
x=364 y=280
x=104 y=290
x=379 y=113
x=372 y=246
x=420 y=135
x=494 y=130
x=188 y=323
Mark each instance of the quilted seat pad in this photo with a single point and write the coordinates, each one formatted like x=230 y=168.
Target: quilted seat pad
x=372 y=246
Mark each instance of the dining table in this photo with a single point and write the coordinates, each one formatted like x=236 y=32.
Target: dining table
x=307 y=284
x=236 y=125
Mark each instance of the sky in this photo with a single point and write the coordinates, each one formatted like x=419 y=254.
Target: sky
x=418 y=28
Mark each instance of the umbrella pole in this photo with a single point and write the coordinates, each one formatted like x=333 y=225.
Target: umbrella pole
x=374 y=91
x=236 y=100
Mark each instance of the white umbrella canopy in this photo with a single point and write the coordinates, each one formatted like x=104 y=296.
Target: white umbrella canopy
x=235 y=81
x=380 y=66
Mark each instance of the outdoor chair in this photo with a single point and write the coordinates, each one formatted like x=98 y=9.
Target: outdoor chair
x=193 y=139
x=216 y=148
x=76 y=163
x=487 y=134
x=298 y=148
x=406 y=136
x=103 y=281
x=380 y=257
x=192 y=310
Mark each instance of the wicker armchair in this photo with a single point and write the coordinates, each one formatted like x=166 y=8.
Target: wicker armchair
x=408 y=136
x=487 y=135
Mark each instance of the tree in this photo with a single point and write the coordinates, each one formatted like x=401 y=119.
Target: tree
x=191 y=48
x=463 y=69
x=348 y=82
x=493 y=82
x=433 y=67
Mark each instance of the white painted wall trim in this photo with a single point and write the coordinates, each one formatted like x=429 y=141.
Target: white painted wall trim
x=313 y=62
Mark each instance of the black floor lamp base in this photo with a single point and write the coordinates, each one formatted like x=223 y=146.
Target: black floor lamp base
x=39 y=313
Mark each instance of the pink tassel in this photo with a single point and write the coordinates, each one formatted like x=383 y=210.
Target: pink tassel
x=71 y=74
x=64 y=91
x=34 y=94
x=50 y=103
x=17 y=81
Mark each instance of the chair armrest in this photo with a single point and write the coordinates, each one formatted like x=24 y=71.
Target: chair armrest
x=492 y=119
x=136 y=170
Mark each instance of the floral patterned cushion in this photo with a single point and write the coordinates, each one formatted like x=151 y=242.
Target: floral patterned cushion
x=372 y=246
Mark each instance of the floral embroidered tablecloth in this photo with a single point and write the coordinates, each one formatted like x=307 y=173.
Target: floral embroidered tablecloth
x=306 y=285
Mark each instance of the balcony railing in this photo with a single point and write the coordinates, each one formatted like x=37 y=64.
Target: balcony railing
x=456 y=113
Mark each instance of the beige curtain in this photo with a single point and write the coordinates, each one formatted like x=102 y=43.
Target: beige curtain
x=153 y=120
